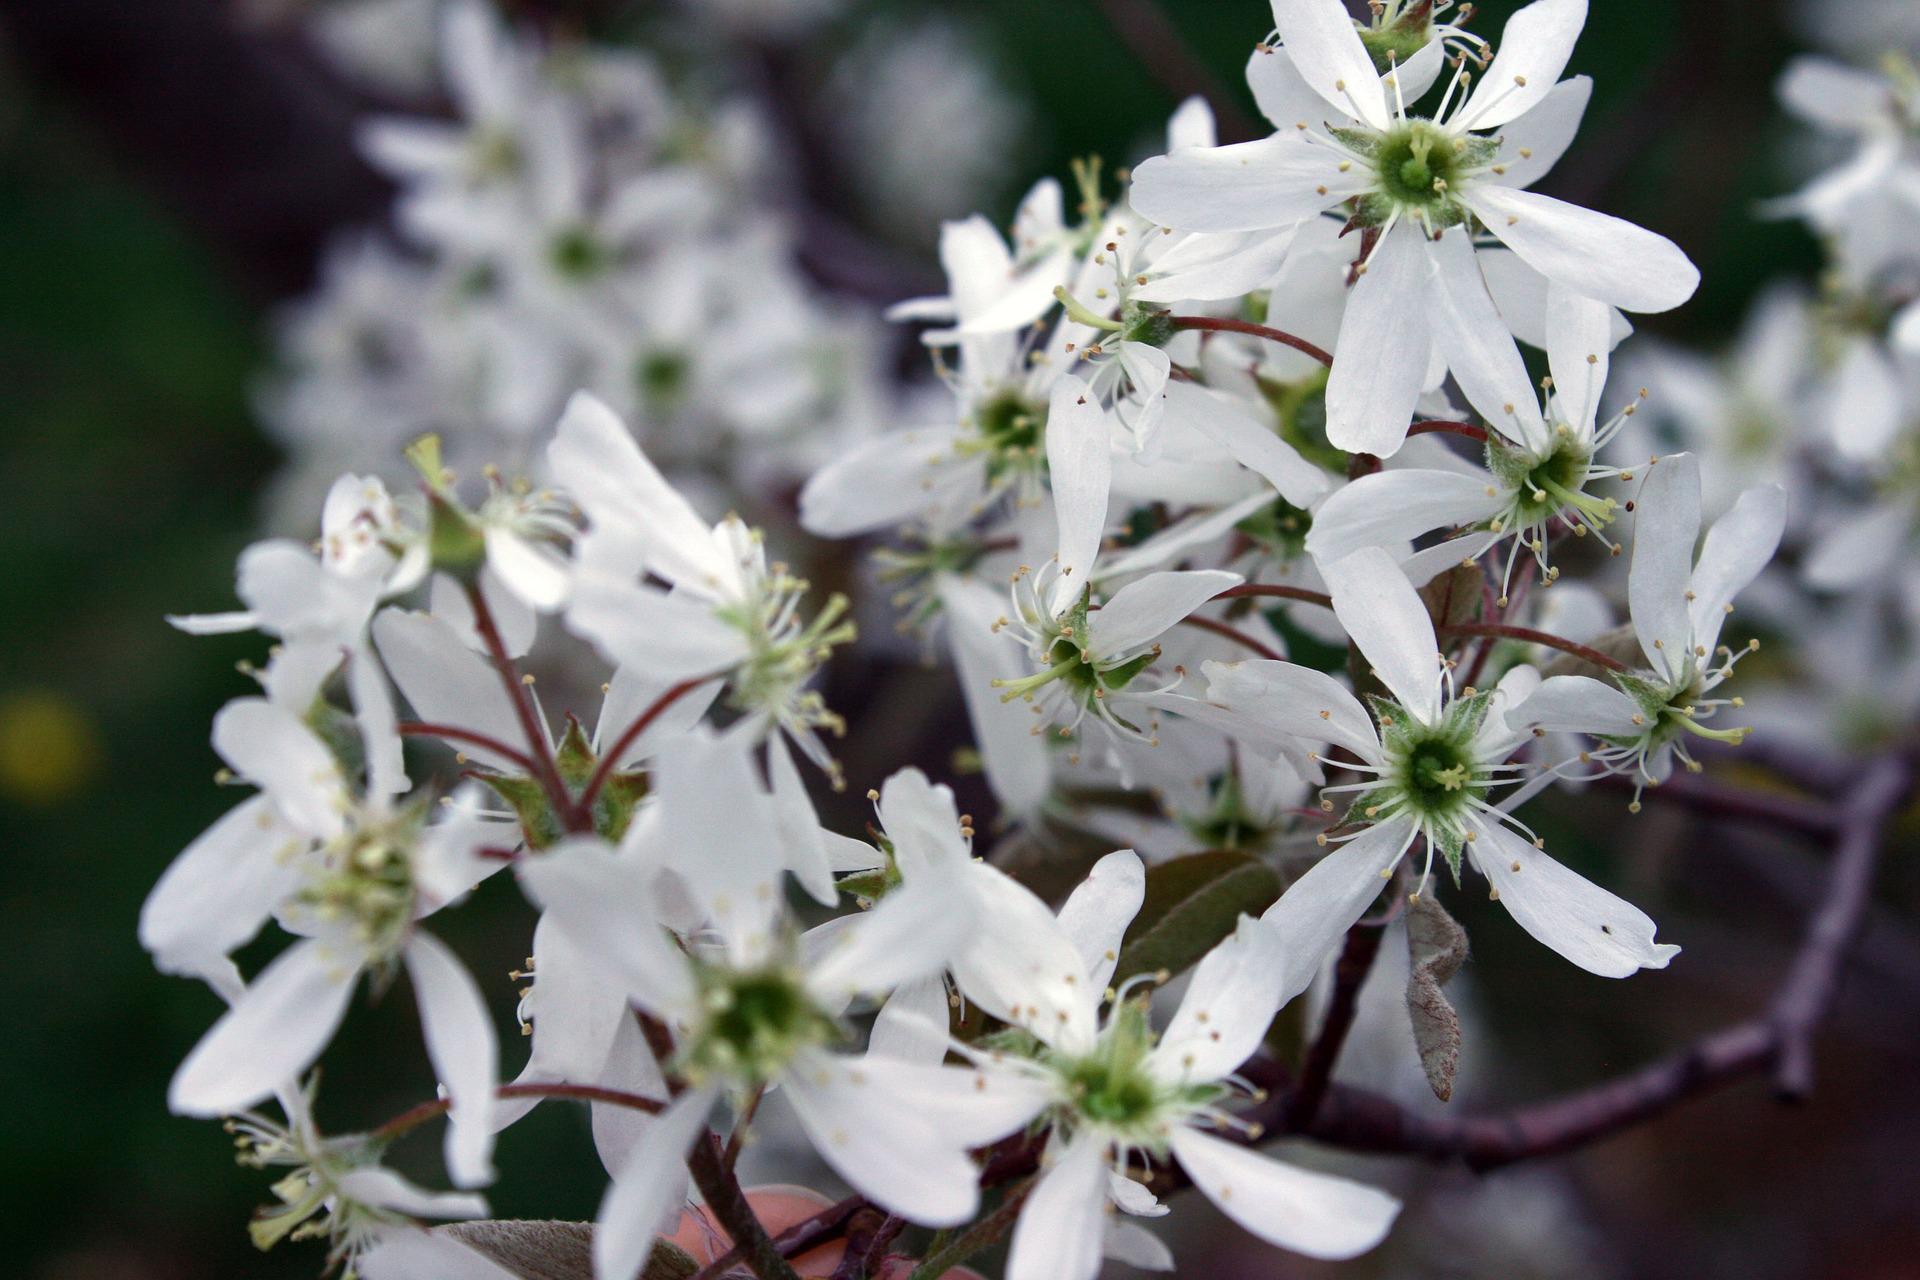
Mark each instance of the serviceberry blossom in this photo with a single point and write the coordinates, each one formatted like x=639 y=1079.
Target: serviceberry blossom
x=1680 y=602
x=1412 y=184
x=1430 y=760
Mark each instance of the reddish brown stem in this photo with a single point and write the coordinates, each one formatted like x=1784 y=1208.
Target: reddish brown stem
x=1439 y=426
x=453 y=733
x=1316 y=1073
x=414 y=1117
x=1277 y=592
x=1223 y=324
x=1506 y=631
x=1234 y=634
x=539 y=748
x=610 y=759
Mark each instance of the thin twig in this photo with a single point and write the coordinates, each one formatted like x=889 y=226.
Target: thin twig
x=1316 y=1072
x=453 y=733
x=539 y=747
x=1437 y=426
x=869 y=1232
x=610 y=760
x=1506 y=631
x=1234 y=634
x=1224 y=324
x=1277 y=592
x=414 y=1117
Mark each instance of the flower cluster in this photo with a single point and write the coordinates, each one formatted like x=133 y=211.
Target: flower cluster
x=1243 y=522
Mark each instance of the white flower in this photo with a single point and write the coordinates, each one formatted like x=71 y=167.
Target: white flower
x=1679 y=604
x=335 y=1188
x=1430 y=760
x=1539 y=460
x=352 y=875
x=1115 y=1095
x=1085 y=661
x=730 y=613
x=1411 y=182
x=754 y=1006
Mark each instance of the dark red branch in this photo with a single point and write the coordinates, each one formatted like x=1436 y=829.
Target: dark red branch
x=414 y=1117
x=453 y=733
x=1223 y=324
x=539 y=749
x=1234 y=634
x=1316 y=1072
x=1437 y=426
x=1267 y=589
x=1507 y=631
x=610 y=759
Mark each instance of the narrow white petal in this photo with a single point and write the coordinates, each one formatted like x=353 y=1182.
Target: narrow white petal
x=1016 y=759
x=1148 y=607
x=1064 y=1220
x=1293 y=701
x=1096 y=914
x=1579 y=704
x=1227 y=1007
x=648 y=1188
x=908 y=936
x=1282 y=95
x=536 y=573
x=1317 y=1214
x=1579 y=347
x=385 y=1189
x=215 y=896
x=274 y=1031
x=270 y=747
x=1248 y=186
x=1470 y=335
x=1080 y=467
x=923 y=821
x=445 y=682
x=912 y=1025
x=1383 y=615
x=1666 y=523
x=1251 y=443
x=884 y=481
x=464 y=1051
x=1022 y=967
x=965 y=1106
x=1317 y=909
x=1586 y=924
x=1380 y=359
x=1533 y=51
x=598 y=898
x=1391 y=508
x=1590 y=253
x=1326 y=50
x=1534 y=143
x=1862 y=547
x=1737 y=548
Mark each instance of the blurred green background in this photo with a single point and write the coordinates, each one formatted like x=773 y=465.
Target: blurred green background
x=168 y=172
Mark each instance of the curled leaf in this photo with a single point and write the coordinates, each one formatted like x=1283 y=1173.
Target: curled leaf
x=1439 y=947
x=544 y=1250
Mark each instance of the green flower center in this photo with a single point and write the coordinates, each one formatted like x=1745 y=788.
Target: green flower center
x=1431 y=774
x=367 y=884
x=1542 y=488
x=756 y=1021
x=1012 y=432
x=577 y=254
x=662 y=378
x=1113 y=1090
x=1416 y=163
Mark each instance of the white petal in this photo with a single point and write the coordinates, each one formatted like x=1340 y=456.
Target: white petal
x=576 y=1011
x=1391 y=508
x=1251 y=443
x=804 y=841
x=912 y=1025
x=1737 y=548
x=379 y=728
x=1579 y=345
x=1015 y=758
x=536 y=573
x=1591 y=927
x=1096 y=914
x=1666 y=523
x=215 y=896
x=212 y=624
x=1862 y=547
x=465 y=1054
x=1470 y=334
x=1590 y=253
x=908 y=936
x=1317 y=909
x=272 y=1034
x=1906 y=330
x=1533 y=51
x=1326 y=50
x=1293 y=701
x=1867 y=408
x=648 y=1188
x=1380 y=359
x=447 y=683
x=1579 y=704
x=923 y=822
x=1022 y=967
x=385 y=1189
x=631 y=695
x=1064 y=1220
x=1227 y=1007
x=1148 y=607
x=599 y=900
x=1383 y=615
x=1830 y=94
x=1080 y=468
x=292 y=594
x=669 y=637
x=1283 y=96
x=1248 y=186
x=1132 y=1244
x=893 y=477
x=404 y=1254
x=269 y=746
x=1312 y=1213
x=596 y=460
x=880 y=1142
x=965 y=1106
x=1534 y=143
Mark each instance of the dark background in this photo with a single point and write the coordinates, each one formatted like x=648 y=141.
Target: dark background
x=169 y=173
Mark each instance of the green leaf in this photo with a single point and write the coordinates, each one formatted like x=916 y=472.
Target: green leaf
x=1439 y=947
x=1191 y=904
